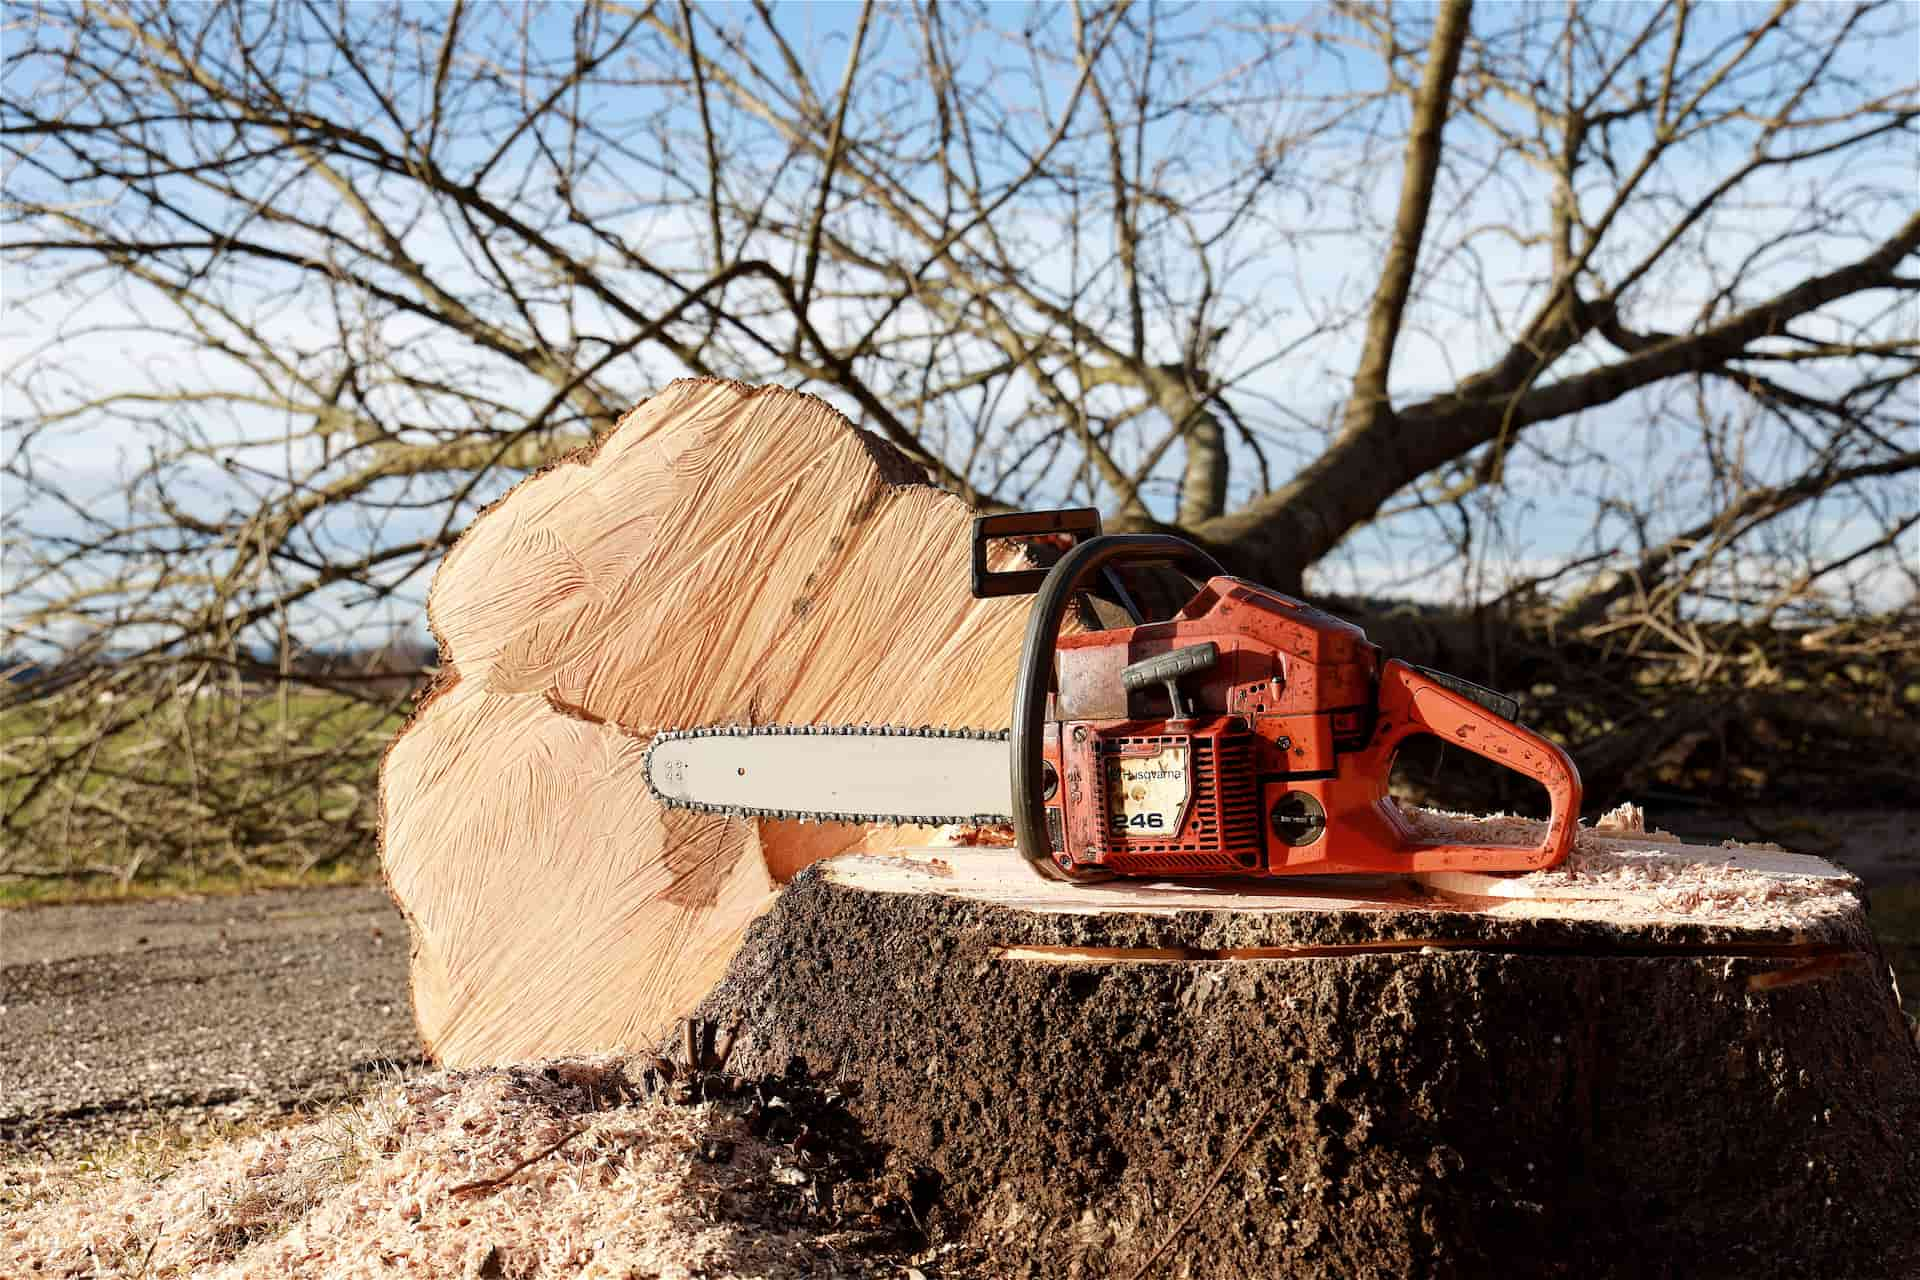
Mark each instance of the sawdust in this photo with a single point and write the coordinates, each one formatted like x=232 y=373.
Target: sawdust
x=1619 y=859
x=1618 y=869
x=643 y=1187
x=998 y=835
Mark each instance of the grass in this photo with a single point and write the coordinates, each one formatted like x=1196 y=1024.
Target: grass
x=178 y=795
x=178 y=883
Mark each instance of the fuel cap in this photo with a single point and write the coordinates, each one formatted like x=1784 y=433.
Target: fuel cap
x=1297 y=819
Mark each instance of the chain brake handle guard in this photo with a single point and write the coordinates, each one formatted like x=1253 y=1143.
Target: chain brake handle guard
x=1077 y=523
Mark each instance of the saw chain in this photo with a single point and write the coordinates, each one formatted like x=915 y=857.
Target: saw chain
x=924 y=733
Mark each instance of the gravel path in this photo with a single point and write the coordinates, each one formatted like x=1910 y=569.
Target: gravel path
x=120 y=1017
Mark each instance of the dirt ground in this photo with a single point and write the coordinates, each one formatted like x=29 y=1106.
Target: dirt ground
x=124 y=1017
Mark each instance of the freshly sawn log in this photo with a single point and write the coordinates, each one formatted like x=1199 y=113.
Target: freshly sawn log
x=724 y=556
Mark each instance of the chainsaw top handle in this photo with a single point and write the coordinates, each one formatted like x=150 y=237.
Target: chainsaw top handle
x=1031 y=685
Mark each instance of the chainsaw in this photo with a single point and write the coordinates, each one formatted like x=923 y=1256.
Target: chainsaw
x=1249 y=734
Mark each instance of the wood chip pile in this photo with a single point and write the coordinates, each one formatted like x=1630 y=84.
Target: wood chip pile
x=561 y=1169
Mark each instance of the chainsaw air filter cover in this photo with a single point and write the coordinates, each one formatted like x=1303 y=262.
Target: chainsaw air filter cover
x=1175 y=803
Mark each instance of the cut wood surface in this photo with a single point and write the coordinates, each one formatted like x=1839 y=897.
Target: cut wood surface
x=1620 y=880
x=724 y=556
x=1321 y=1078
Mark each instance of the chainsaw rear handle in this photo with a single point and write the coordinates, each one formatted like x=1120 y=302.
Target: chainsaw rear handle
x=1031 y=685
x=1411 y=703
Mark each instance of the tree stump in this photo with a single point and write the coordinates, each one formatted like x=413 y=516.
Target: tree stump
x=1650 y=1062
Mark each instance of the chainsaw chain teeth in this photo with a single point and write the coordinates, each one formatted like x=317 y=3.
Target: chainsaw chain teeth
x=825 y=731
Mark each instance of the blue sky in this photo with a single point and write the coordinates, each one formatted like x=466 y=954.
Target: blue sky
x=1541 y=512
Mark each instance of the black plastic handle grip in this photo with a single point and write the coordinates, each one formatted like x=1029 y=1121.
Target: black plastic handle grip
x=1174 y=664
x=1031 y=684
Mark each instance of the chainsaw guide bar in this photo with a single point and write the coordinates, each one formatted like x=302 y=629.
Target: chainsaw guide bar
x=867 y=773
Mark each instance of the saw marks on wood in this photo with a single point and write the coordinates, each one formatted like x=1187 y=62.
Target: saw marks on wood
x=1613 y=877
x=549 y=880
x=728 y=556
x=723 y=556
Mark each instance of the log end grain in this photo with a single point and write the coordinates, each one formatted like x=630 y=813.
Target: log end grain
x=725 y=555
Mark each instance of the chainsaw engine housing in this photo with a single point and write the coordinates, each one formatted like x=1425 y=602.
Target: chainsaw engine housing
x=1143 y=789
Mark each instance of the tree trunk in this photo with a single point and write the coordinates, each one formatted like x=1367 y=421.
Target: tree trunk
x=1648 y=1063
x=723 y=556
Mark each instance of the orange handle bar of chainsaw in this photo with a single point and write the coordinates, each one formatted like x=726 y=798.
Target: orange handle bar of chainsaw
x=1410 y=703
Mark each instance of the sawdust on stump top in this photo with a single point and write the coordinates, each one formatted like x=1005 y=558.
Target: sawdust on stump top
x=1618 y=869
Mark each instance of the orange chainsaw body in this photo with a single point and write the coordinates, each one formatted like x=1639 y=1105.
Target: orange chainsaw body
x=1268 y=755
